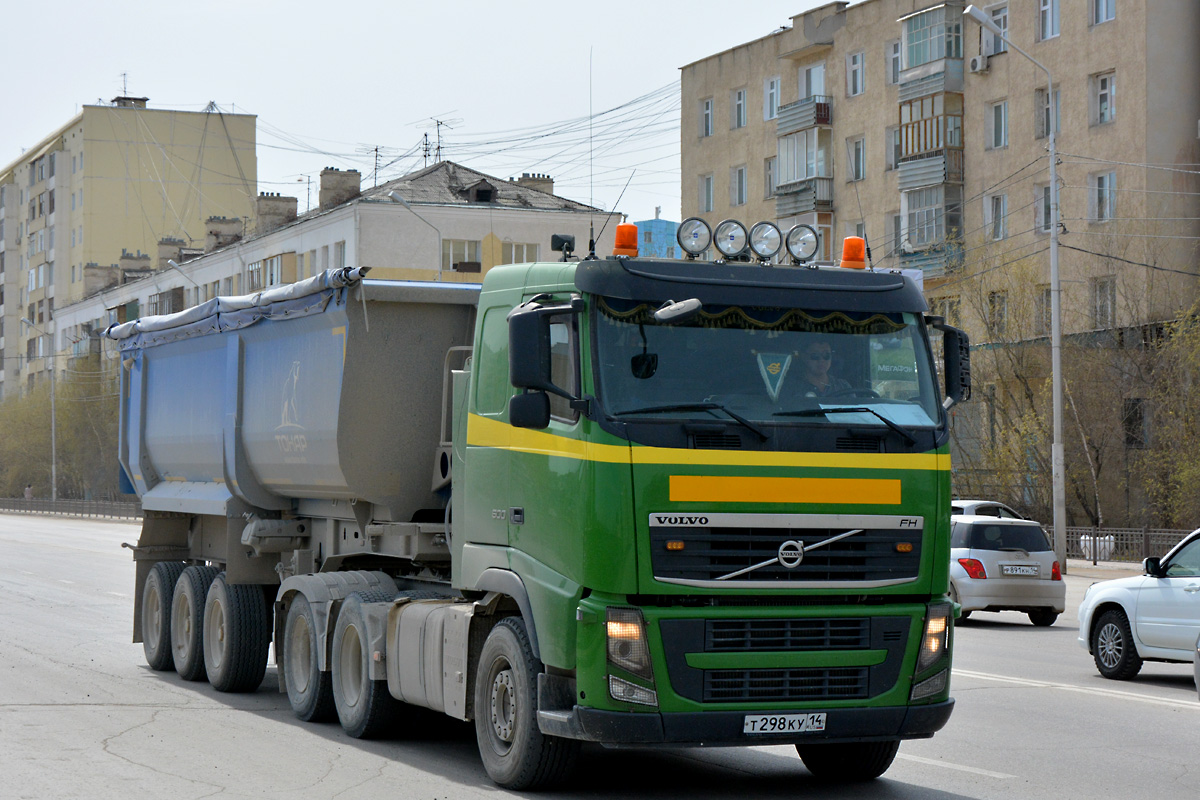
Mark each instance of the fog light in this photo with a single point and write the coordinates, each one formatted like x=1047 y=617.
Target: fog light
x=801 y=243
x=630 y=692
x=730 y=237
x=627 y=646
x=931 y=686
x=694 y=236
x=934 y=641
x=765 y=240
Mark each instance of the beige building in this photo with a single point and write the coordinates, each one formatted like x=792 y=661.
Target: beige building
x=903 y=120
x=98 y=195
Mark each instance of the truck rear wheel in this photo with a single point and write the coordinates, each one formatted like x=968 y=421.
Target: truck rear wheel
x=309 y=689
x=848 y=762
x=364 y=707
x=187 y=621
x=515 y=752
x=156 y=614
x=236 y=636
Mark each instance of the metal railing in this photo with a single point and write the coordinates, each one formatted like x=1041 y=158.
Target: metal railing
x=1121 y=544
x=102 y=509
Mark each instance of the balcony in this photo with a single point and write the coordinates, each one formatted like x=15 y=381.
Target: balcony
x=930 y=169
x=804 y=196
x=813 y=110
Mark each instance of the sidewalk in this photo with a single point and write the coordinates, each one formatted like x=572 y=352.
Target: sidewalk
x=1102 y=570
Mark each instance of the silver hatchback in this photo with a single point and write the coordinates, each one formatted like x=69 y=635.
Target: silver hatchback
x=1005 y=565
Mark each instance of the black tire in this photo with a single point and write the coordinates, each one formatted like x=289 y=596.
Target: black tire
x=1043 y=617
x=850 y=762
x=364 y=707
x=309 y=689
x=187 y=621
x=237 y=636
x=1112 y=647
x=156 y=614
x=516 y=754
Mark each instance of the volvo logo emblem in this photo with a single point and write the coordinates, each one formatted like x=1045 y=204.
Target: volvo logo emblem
x=791 y=553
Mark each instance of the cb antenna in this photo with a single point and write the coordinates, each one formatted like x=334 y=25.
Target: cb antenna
x=592 y=254
x=591 y=169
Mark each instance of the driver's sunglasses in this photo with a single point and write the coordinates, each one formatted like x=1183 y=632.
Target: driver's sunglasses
x=820 y=356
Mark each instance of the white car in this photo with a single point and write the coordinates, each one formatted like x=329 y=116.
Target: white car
x=1151 y=617
x=1004 y=564
x=983 y=508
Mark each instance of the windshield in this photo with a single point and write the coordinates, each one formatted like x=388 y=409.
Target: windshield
x=768 y=365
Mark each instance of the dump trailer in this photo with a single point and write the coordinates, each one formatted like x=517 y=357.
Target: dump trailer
x=583 y=501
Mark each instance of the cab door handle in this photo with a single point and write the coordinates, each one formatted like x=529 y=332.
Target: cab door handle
x=1192 y=588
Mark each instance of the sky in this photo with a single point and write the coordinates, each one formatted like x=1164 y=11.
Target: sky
x=512 y=82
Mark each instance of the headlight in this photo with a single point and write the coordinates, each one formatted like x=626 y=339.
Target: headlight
x=935 y=639
x=694 y=236
x=627 y=646
x=730 y=237
x=802 y=242
x=765 y=240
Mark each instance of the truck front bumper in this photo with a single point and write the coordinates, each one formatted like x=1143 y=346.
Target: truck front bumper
x=725 y=728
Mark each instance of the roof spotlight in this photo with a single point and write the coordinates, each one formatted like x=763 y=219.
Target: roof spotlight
x=730 y=237
x=694 y=236
x=802 y=242
x=765 y=240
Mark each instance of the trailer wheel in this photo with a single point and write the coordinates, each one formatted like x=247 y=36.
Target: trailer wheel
x=849 y=762
x=516 y=754
x=309 y=689
x=156 y=614
x=187 y=621
x=364 y=707
x=236 y=636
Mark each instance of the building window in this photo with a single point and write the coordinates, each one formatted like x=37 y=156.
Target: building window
x=948 y=308
x=998 y=125
x=1104 y=92
x=1104 y=302
x=339 y=255
x=1103 y=11
x=931 y=123
x=706 y=117
x=1042 y=209
x=997 y=208
x=897 y=231
x=253 y=277
x=1047 y=19
x=1103 y=195
x=926 y=222
x=273 y=271
x=1135 y=422
x=706 y=193
x=769 y=177
x=894 y=63
x=737 y=186
x=1042 y=310
x=771 y=94
x=992 y=44
x=514 y=253
x=858 y=157
x=1042 y=104
x=932 y=35
x=855 y=77
x=891 y=138
x=812 y=81
x=997 y=313
x=461 y=255
x=804 y=155
x=739 y=109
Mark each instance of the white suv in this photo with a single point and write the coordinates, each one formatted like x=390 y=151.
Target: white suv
x=1150 y=617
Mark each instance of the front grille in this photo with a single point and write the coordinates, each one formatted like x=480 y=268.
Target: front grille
x=747 y=635
x=784 y=685
x=710 y=554
x=859 y=444
x=717 y=441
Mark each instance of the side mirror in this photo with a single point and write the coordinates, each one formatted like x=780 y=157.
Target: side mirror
x=529 y=348
x=1152 y=566
x=529 y=410
x=956 y=356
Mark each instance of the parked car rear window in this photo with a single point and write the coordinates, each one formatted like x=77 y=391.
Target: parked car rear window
x=982 y=536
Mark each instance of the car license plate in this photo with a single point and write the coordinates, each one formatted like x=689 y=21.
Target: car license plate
x=784 y=723
x=1019 y=569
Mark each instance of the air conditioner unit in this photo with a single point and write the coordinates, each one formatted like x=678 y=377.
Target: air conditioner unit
x=979 y=63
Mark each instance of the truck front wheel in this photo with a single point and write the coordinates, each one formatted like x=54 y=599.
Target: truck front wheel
x=364 y=707
x=516 y=754
x=309 y=689
x=848 y=762
x=236 y=636
x=187 y=621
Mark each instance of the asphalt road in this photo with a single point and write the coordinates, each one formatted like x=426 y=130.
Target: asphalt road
x=81 y=716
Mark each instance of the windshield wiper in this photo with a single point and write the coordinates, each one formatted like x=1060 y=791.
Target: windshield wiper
x=820 y=412
x=697 y=407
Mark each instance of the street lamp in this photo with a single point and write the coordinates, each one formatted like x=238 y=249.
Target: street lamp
x=1056 y=448
x=437 y=253
x=53 y=441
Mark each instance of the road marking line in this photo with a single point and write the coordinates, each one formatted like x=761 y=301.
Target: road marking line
x=64 y=580
x=933 y=762
x=1110 y=693
x=117 y=594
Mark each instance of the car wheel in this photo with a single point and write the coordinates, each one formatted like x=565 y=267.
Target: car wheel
x=1112 y=647
x=1043 y=617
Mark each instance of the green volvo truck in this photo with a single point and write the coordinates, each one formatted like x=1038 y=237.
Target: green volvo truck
x=585 y=501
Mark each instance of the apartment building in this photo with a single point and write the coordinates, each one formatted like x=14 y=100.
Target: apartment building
x=107 y=187
x=445 y=223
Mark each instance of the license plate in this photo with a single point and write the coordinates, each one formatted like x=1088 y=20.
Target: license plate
x=1019 y=569
x=784 y=723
